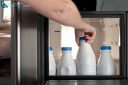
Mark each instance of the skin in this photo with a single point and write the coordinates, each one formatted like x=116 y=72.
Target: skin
x=64 y=12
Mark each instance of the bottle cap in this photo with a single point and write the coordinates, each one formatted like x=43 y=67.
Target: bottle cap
x=66 y=48
x=82 y=37
x=50 y=49
x=105 y=48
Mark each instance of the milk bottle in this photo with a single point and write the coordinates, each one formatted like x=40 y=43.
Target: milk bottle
x=52 y=64
x=66 y=65
x=106 y=65
x=86 y=61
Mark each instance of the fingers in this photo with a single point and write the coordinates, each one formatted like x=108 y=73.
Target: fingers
x=90 y=34
x=90 y=41
x=91 y=37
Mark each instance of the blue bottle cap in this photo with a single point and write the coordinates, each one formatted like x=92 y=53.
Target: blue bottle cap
x=105 y=48
x=66 y=48
x=50 y=49
x=82 y=38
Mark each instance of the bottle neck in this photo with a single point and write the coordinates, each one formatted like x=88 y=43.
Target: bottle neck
x=50 y=52
x=66 y=53
x=106 y=51
x=82 y=41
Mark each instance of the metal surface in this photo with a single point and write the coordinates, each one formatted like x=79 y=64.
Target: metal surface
x=18 y=45
x=88 y=82
x=14 y=13
x=28 y=46
x=127 y=41
x=5 y=81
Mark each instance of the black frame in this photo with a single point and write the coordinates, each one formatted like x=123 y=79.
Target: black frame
x=42 y=51
x=127 y=38
x=14 y=43
x=123 y=48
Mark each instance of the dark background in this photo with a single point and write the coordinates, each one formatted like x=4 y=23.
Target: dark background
x=85 y=5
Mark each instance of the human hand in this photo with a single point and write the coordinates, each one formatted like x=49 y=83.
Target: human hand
x=87 y=30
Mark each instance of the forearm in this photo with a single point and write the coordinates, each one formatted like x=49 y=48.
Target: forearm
x=62 y=11
x=68 y=15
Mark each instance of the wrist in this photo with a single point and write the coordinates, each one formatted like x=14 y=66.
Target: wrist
x=79 y=24
x=83 y=25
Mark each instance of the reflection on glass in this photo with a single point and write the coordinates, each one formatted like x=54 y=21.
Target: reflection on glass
x=62 y=82
x=108 y=33
x=5 y=42
x=87 y=82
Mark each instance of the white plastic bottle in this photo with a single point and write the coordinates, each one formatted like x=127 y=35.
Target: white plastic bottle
x=86 y=61
x=105 y=64
x=52 y=64
x=66 y=65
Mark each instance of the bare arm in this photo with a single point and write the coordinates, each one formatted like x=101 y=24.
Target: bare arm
x=62 y=11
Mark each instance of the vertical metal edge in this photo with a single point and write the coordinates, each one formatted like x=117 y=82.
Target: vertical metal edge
x=45 y=49
x=126 y=61
x=123 y=61
x=15 y=43
x=18 y=45
x=39 y=52
x=127 y=39
x=42 y=32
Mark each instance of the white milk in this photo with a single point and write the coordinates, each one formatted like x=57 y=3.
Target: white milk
x=106 y=65
x=52 y=64
x=66 y=65
x=86 y=61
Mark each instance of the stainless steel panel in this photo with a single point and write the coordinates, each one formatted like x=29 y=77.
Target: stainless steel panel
x=28 y=46
x=87 y=82
x=27 y=36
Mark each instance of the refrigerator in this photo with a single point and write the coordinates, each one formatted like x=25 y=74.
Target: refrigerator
x=32 y=34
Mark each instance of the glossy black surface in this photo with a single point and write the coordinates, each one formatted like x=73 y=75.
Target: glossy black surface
x=5 y=67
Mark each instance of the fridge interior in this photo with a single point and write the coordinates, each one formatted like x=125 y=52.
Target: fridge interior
x=108 y=33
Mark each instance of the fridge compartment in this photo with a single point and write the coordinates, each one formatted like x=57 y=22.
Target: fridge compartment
x=111 y=30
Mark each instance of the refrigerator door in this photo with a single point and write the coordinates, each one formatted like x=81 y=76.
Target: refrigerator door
x=27 y=66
